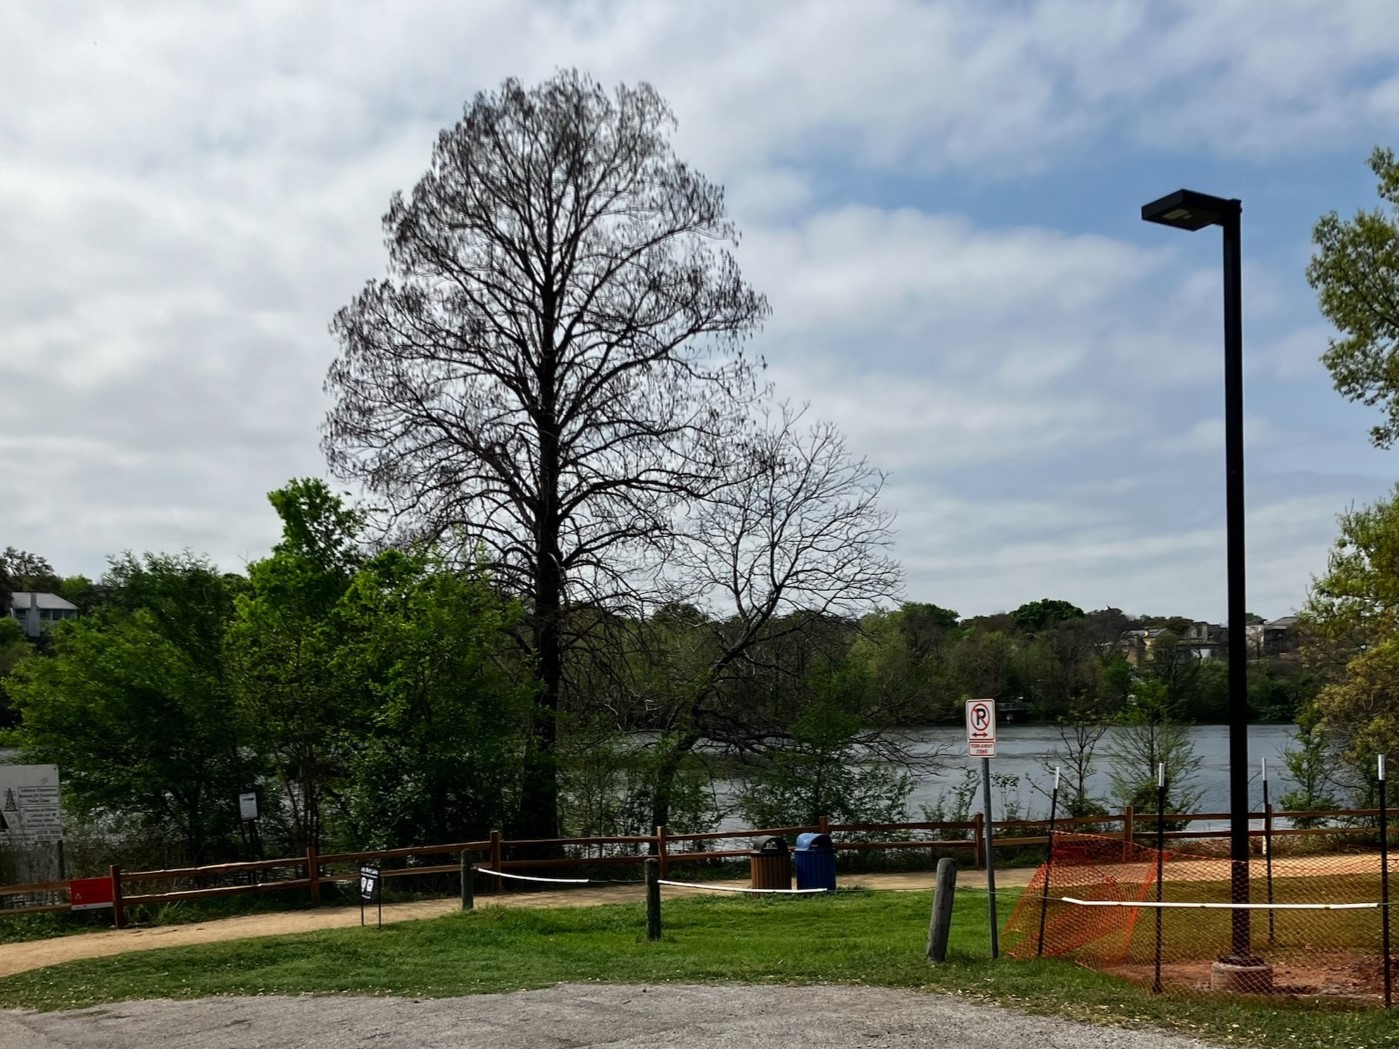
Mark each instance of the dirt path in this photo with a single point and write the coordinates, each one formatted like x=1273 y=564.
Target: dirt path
x=35 y=954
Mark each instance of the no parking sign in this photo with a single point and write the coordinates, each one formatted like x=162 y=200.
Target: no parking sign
x=981 y=728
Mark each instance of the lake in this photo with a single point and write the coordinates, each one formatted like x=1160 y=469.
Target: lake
x=1021 y=751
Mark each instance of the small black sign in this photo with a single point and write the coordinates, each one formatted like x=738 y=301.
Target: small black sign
x=369 y=884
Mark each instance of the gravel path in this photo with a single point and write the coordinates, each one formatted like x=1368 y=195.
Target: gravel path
x=573 y=1016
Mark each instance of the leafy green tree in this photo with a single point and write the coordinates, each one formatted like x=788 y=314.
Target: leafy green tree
x=133 y=706
x=25 y=572
x=1355 y=272
x=13 y=648
x=1037 y=615
x=1150 y=735
x=438 y=734
x=1310 y=764
x=821 y=770
x=904 y=653
x=81 y=591
x=282 y=645
x=1351 y=620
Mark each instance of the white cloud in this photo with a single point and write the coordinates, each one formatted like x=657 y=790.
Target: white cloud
x=189 y=192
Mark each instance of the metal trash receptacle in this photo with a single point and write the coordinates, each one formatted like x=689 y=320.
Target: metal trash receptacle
x=770 y=864
x=815 y=862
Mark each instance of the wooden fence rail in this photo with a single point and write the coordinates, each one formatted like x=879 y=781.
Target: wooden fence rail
x=311 y=870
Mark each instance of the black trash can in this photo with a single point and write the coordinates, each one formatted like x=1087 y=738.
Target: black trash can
x=815 y=861
x=770 y=864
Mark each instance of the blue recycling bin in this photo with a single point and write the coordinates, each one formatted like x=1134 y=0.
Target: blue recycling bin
x=815 y=861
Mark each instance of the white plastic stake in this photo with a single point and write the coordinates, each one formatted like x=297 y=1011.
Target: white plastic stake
x=1056 y=777
x=1161 y=774
x=1381 y=759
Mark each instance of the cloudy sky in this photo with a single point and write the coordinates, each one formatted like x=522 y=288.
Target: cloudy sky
x=941 y=201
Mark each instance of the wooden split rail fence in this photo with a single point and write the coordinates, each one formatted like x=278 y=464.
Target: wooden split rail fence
x=310 y=871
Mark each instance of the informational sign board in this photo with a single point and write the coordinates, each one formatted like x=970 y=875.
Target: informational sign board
x=369 y=883
x=89 y=894
x=29 y=807
x=981 y=728
x=371 y=890
x=247 y=806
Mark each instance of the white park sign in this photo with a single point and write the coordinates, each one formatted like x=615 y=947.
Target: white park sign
x=981 y=728
x=29 y=807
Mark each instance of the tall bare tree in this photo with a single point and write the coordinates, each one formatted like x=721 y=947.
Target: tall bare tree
x=553 y=360
x=796 y=539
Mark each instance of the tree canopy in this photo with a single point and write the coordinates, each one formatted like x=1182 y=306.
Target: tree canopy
x=1352 y=615
x=1355 y=271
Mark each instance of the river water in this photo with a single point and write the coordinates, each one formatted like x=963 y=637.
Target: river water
x=1023 y=750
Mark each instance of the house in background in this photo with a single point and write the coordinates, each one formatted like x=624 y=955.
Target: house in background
x=36 y=611
x=1277 y=637
x=1200 y=640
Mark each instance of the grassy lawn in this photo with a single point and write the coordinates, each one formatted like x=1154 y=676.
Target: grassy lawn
x=857 y=937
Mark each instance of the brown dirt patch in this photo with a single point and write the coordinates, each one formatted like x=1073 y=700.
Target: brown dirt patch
x=1332 y=975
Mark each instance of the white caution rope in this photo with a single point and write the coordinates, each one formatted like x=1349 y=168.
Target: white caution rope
x=1170 y=904
x=527 y=877
x=733 y=888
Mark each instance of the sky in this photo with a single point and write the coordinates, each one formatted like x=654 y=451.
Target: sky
x=941 y=202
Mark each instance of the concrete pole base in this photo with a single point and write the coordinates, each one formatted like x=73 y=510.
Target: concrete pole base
x=1242 y=976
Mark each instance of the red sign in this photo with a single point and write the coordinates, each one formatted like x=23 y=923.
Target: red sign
x=89 y=894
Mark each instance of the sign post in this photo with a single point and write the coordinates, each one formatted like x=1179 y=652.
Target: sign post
x=981 y=743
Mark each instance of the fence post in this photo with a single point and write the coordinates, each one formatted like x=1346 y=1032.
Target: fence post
x=495 y=860
x=118 y=912
x=468 y=881
x=940 y=926
x=1129 y=828
x=661 y=849
x=978 y=845
x=823 y=824
x=313 y=873
x=653 y=898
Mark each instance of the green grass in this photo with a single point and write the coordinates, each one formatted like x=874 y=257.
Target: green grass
x=852 y=938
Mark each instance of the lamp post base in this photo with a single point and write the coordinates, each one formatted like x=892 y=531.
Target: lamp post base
x=1242 y=975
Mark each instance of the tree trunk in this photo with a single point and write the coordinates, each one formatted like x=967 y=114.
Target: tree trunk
x=666 y=771
x=539 y=792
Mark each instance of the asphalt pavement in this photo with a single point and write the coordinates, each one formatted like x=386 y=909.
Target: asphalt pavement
x=574 y=1016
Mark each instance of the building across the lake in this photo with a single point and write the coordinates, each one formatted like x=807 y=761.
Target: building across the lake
x=36 y=611
x=1278 y=637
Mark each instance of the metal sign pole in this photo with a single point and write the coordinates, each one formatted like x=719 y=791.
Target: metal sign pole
x=1268 y=850
x=990 y=858
x=1384 y=888
x=1160 y=863
x=1048 y=862
x=981 y=743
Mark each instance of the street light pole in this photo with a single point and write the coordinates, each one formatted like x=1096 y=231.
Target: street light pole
x=1240 y=943
x=1188 y=210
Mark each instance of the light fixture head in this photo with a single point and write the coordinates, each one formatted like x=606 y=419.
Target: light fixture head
x=1186 y=209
